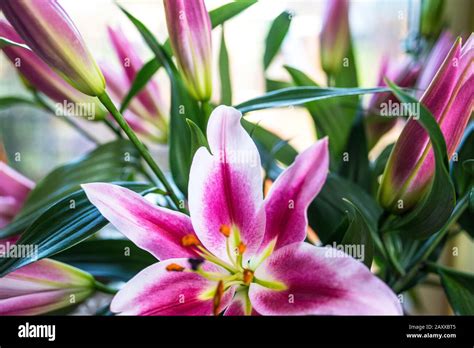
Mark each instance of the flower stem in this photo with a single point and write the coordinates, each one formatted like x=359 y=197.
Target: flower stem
x=107 y=102
x=104 y=288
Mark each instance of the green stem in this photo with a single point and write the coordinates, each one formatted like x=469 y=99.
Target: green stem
x=104 y=288
x=431 y=245
x=107 y=102
x=66 y=119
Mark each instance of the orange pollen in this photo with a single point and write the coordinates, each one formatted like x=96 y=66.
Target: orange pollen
x=189 y=240
x=174 y=267
x=242 y=247
x=225 y=230
x=218 y=297
x=248 y=276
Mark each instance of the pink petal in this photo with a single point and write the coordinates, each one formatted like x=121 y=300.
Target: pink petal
x=237 y=307
x=291 y=194
x=14 y=184
x=320 y=281
x=155 y=229
x=156 y=291
x=225 y=188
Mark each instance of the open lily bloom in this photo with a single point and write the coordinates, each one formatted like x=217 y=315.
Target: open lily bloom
x=237 y=252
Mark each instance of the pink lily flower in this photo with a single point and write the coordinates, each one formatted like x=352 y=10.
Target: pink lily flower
x=410 y=168
x=237 y=252
x=14 y=188
x=335 y=35
x=434 y=60
x=189 y=28
x=43 y=78
x=131 y=63
x=51 y=34
x=136 y=114
x=404 y=74
x=42 y=287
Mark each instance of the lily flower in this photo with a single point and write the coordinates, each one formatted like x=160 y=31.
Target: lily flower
x=14 y=188
x=44 y=79
x=189 y=28
x=42 y=287
x=335 y=35
x=404 y=74
x=237 y=252
x=434 y=60
x=50 y=33
x=410 y=168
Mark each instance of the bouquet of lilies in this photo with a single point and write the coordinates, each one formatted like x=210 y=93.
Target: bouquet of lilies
x=237 y=222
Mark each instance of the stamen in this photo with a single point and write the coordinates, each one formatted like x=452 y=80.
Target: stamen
x=195 y=263
x=248 y=276
x=218 y=297
x=241 y=248
x=225 y=230
x=190 y=240
x=174 y=267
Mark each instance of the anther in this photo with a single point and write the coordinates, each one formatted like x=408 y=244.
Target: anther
x=174 y=267
x=241 y=248
x=225 y=230
x=248 y=276
x=218 y=297
x=190 y=240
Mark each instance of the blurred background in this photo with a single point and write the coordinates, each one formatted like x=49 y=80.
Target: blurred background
x=37 y=142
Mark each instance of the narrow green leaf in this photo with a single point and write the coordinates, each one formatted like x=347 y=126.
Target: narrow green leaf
x=431 y=213
x=459 y=288
x=225 y=12
x=112 y=259
x=143 y=77
x=272 y=85
x=109 y=162
x=301 y=95
x=198 y=139
x=10 y=101
x=59 y=227
x=275 y=37
x=224 y=72
x=358 y=235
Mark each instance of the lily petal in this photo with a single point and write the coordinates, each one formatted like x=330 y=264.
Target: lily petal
x=154 y=229
x=156 y=291
x=291 y=194
x=239 y=306
x=319 y=281
x=225 y=188
x=14 y=184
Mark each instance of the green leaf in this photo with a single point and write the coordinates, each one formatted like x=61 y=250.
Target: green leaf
x=431 y=213
x=143 y=77
x=301 y=95
x=357 y=167
x=329 y=116
x=459 y=288
x=6 y=102
x=463 y=178
x=327 y=211
x=224 y=13
x=272 y=85
x=358 y=233
x=113 y=259
x=347 y=75
x=226 y=85
x=378 y=166
x=198 y=139
x=275 y=37
x=218 y=16
x=61 y=226
x=113 y=161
